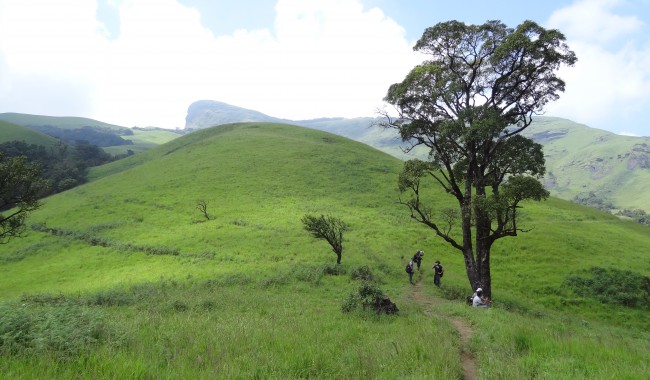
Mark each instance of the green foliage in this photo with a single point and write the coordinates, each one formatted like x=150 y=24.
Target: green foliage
x=468 y=113
x=612 y=286
x=365 y=296
x=20 y=190
x=363 y=273
x=64 y=330
x=640 y=216
x=328 y=228
x=63 y=166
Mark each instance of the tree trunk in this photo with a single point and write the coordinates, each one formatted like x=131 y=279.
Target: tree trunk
x=484 y=276
x=338 y=257
x=470 y=269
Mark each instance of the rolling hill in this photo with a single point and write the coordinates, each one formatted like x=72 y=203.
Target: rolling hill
x=584 y=165
x=248 y=293
x=112 y=138
x=63 y=122
x=14 y=132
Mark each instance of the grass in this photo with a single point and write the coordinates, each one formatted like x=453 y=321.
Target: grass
x=249 y=294
x=14 y=132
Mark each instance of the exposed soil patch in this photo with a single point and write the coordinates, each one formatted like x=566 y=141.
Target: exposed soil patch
x=464 y=330
x=466 y=358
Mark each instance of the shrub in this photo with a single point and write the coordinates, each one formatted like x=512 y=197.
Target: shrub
x=333 y=270
x=369 y=297
x=362 y=273
x=612 y=286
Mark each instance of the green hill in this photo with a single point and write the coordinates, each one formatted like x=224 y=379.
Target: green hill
x=123 y=276
x=112 y=138
x=64 y=122
x=585 y=163
x=13 y=132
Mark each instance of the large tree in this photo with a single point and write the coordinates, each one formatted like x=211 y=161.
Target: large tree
x=21 y=187
x=467 y=104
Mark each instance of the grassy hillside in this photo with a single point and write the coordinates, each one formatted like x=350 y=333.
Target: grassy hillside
x=143 y=140
x=582 y=160
x=66 y=122
x=584 y=164
x=162 y=292
x=13 y=132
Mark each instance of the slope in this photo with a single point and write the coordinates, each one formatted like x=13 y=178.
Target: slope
x=14 y=132
x=256 y=179
x=248 y=293
x=65 y=122
x=93 y=131
x=585 y=163
x=259 y=179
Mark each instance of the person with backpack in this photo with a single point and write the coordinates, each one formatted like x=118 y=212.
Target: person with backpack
x=409 y=270
x=417 y=258
x=438 y=272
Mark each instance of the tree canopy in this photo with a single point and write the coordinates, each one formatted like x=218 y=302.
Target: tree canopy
x=20 y=189
x=467 y=104
x=328 y=228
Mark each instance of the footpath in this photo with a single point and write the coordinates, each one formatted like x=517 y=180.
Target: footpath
x=464 y=330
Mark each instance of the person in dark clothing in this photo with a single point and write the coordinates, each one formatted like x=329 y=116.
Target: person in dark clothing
x=417 y=258
x=410 y=270
x=438 y=272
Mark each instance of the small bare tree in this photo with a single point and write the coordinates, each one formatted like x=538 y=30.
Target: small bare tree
x=202 y=206
x=329 y=228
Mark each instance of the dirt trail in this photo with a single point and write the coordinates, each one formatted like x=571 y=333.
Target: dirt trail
x=464 y=330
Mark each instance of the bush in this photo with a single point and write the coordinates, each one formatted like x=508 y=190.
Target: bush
x=362 y=273
x=333 y=270
x=369 y=296
x=612 y=286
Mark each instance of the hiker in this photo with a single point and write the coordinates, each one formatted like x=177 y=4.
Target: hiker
x=478 y=300
x=409 y=270
x=417 y=258
x=438 y=272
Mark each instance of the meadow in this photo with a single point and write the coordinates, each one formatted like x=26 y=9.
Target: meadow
x=124 y=278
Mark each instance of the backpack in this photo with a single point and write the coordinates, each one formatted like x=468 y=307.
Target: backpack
x=408 y=268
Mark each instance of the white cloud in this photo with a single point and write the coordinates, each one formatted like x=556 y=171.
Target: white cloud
x=594 y=21
x=323 y=58
x=609 y=87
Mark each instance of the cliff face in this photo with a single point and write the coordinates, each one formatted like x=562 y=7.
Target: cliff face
x=208 y=113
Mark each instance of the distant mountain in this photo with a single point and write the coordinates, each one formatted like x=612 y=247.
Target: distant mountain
x=208 y=113
x=584 y=165
x=593 y=166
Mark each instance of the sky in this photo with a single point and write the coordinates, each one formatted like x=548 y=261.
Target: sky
x=143 y=62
